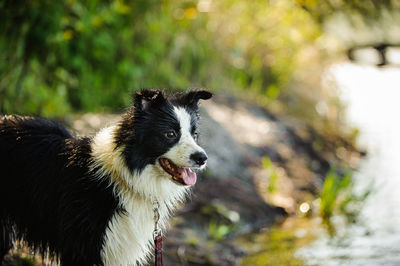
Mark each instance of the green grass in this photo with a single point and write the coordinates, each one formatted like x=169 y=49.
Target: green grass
x=273 y=176
x=338 y=197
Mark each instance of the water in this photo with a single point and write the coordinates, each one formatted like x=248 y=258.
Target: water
x=373 y=98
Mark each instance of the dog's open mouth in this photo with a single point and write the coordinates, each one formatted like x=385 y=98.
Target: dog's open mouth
x=182 y=175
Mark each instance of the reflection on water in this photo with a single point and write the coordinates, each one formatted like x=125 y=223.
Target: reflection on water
x=373 y=98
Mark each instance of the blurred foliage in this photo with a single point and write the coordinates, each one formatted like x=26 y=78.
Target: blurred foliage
x=264 y=41
x=222 y=220
x=217 y=210
x=59 y=56
x=84 y=55
x=335 y=193
x=371 y=23
x=369 y=10
x=338 y=197
x=272 y=174
x=67 y=55
x=218 y=230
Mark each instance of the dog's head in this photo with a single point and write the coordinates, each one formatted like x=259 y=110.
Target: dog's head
x=162 y=131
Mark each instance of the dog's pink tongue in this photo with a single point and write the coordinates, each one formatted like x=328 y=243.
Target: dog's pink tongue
x=189 y=177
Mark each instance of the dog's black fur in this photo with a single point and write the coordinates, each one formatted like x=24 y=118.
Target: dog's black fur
x=49 y=194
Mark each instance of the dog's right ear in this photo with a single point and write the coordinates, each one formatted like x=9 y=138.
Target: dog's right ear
x=146 y=99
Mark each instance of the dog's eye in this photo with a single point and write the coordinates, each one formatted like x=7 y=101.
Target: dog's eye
x=171 y=134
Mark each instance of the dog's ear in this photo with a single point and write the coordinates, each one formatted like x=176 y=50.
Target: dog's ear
x=146 y=99
x=192 y=98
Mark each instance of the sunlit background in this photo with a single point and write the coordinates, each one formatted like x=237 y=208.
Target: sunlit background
x=302 y=133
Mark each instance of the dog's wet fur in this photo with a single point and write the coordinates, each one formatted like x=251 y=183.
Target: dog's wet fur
x=88 y=201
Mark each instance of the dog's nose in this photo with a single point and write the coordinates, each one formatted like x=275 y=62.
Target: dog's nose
x=199 y=158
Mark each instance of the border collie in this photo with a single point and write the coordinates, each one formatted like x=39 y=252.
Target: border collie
x=88 y=201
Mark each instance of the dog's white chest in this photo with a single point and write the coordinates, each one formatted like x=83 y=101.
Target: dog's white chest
x=129 y=235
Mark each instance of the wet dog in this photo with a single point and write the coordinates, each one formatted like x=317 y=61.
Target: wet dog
x=88 y=201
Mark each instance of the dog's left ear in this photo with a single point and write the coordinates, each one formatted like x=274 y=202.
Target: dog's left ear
x=146 y=99
x=192 y=98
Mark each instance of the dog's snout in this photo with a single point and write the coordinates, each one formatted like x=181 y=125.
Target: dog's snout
x=199 y=158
